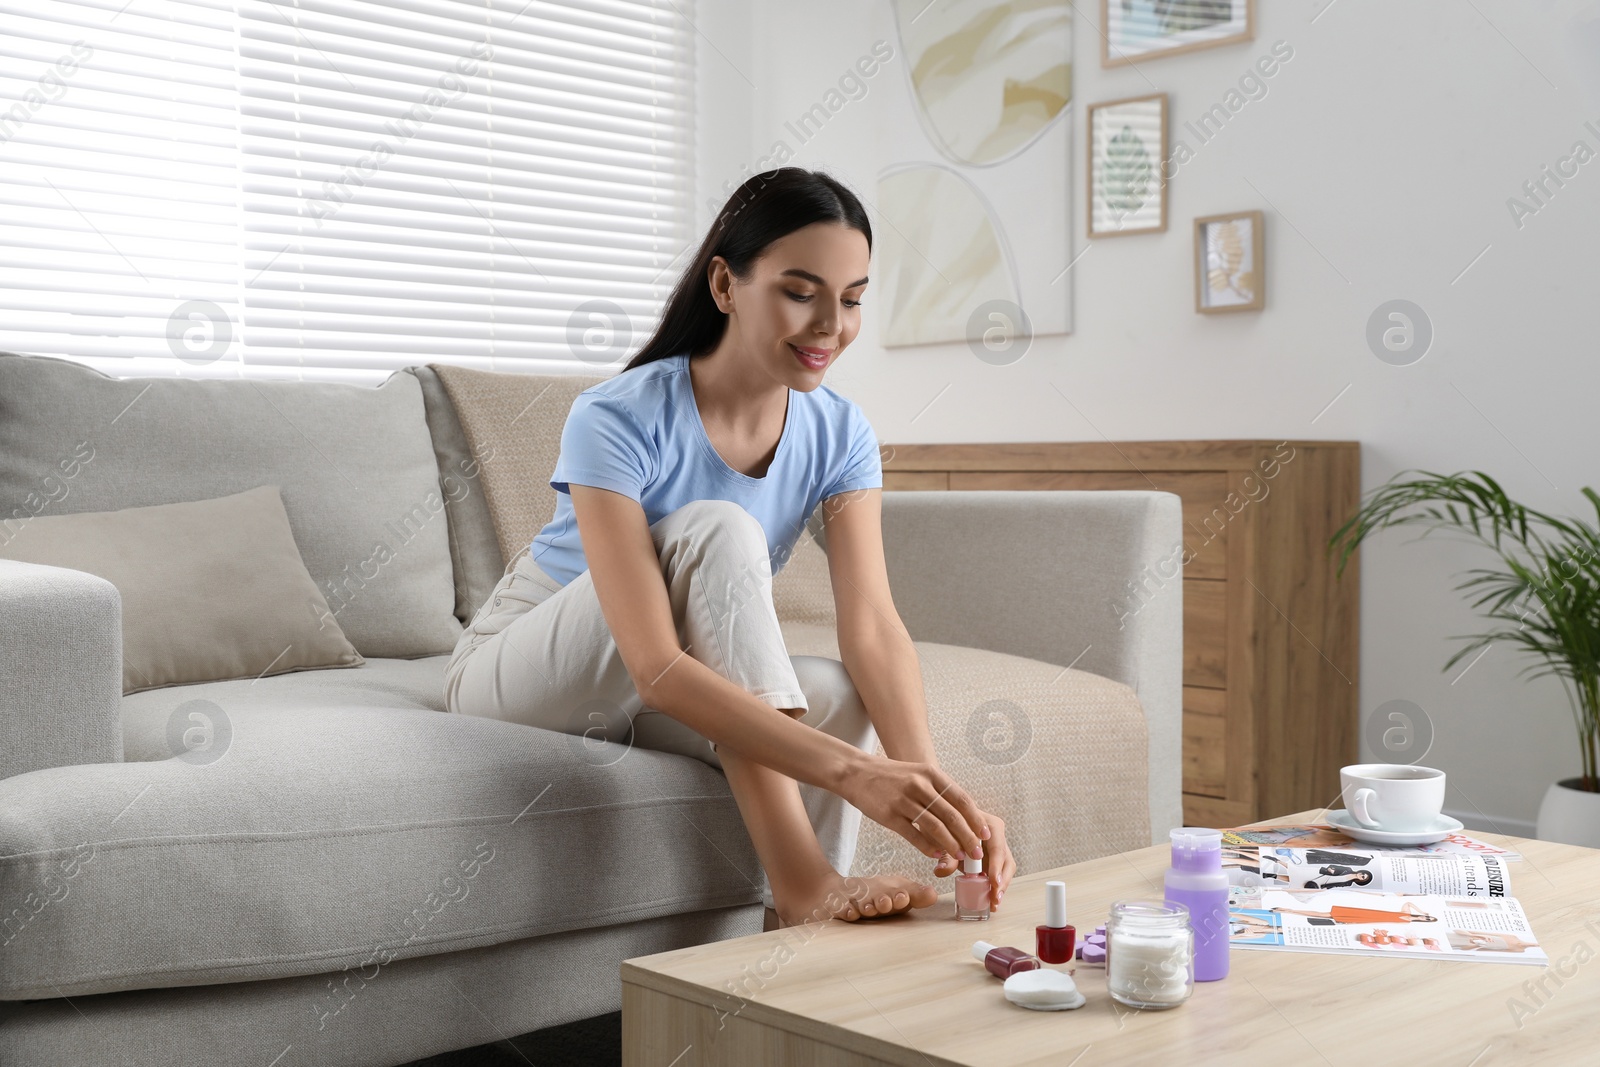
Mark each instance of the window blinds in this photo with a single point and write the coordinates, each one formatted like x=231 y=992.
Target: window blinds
x=117 y=176
x=334 y=189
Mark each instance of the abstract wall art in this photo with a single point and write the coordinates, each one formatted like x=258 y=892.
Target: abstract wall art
x=975 y=194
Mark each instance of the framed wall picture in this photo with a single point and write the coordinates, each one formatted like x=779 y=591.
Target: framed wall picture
x=1148 y=29
x=1127 y=183
x=1229 y=263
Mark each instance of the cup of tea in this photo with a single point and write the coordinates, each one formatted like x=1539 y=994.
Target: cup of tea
x=1393 y=796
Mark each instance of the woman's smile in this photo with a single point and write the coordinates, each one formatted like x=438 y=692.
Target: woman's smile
x=812 y=358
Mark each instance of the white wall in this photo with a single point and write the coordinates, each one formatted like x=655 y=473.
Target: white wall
x=725 y=120
x=1383 y=155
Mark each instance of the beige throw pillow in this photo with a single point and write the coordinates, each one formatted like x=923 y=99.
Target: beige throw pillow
x=211 y=589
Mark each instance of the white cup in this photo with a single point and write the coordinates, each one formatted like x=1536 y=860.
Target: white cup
x=1393 y=796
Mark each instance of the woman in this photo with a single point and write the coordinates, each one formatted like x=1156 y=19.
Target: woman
x=1337 y=875
x=682 y=484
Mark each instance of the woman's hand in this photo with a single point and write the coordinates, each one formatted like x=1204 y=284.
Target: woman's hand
x=999 y=864
x=921 y=803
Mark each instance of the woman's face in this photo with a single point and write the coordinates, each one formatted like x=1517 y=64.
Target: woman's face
x=801 y=307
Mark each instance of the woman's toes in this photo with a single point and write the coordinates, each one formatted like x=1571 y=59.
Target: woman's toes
x=884 y=896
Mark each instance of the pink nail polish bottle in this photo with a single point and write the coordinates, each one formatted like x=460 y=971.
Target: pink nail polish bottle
x=972 y=891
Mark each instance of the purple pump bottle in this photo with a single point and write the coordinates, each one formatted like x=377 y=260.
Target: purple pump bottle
x=1196 y=881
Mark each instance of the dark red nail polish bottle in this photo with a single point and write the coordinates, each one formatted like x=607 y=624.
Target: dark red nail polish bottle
x=1055 y=937
x=1003 y=961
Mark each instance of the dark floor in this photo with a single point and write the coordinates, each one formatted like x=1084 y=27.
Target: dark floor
x=595 y=1042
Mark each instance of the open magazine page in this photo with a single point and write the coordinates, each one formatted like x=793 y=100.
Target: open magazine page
x=1321 y=836
x=1359 y=867
x=1364 y=923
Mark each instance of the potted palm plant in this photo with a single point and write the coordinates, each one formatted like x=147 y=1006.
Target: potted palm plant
x=1542 y=597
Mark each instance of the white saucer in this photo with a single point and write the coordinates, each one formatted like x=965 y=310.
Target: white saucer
x=1342 y=820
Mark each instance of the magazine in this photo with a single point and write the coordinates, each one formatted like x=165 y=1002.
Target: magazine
x=1359 y=867
x=1366 y=923
x=1322 y=836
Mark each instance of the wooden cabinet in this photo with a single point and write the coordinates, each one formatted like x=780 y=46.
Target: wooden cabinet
x=1270 y=649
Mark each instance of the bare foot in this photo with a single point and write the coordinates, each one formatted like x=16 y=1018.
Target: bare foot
x=837 y=897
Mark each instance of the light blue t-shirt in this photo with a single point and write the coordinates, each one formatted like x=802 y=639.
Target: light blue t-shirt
x=639 y=434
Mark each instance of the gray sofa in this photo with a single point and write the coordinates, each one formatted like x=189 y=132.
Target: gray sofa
x=363 y=878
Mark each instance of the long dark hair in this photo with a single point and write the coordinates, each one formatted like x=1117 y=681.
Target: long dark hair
x=768 y=206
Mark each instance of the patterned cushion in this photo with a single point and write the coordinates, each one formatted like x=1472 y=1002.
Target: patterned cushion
x=513 y=424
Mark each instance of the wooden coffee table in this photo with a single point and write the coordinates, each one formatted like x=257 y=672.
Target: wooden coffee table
x=906 y=990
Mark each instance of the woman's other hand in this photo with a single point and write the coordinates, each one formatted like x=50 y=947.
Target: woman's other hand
x=998 y=863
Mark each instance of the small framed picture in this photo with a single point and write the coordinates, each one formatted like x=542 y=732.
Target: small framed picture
x=1127 y=182
x=1229 y=264
x=1149 y=29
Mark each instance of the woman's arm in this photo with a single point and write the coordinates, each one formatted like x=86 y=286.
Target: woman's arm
x=878 y=654
x=874 y=644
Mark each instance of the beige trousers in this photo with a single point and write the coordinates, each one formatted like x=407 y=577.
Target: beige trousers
x=541 y=654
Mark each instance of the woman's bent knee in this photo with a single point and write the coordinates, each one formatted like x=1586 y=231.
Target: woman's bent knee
x=708 y=521
x=711 y=509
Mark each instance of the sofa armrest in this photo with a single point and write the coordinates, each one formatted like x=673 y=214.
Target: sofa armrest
x=61 y=658
x=1085 y=579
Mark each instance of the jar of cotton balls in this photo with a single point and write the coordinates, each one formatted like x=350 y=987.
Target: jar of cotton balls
x=1149 y=954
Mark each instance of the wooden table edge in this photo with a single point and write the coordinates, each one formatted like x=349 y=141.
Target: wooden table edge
x=793 y=1023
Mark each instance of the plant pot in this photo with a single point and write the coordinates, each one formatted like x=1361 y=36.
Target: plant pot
x=1569 y=815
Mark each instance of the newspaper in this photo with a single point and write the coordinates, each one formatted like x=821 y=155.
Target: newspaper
x=1365 y=923
x=1355 y=867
